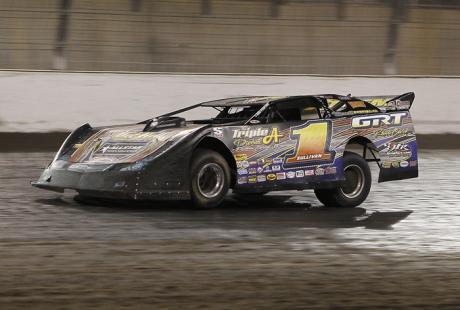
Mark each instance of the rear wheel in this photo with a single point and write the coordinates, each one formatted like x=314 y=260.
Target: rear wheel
x=209 y=178
x=358 y=184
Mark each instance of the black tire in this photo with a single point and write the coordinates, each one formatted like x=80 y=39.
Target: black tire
x=209 y=178
x=358 y=178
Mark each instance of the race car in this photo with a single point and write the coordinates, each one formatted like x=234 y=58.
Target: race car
x=251 y=145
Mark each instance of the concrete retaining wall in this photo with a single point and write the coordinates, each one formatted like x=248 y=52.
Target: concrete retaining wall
x=43 y=102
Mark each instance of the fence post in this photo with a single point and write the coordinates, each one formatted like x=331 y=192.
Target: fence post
x=60 y=59
x=397 y=18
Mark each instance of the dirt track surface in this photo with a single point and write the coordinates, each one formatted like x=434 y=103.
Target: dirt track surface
x=400 y=249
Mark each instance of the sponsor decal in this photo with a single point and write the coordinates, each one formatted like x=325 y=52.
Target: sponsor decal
x=290 y=174
x=243 y=171
x=319 y=171
x=253 y=163
x=276 y=167
x=363 y=111
x=357 y=104
x=268 y=169
x=398 y=150
x=309 y=172
x=378 y=102
x=267 y=136
x=241 y=157
x=391 y=133
x=218 y=132
x=119 y=148
x=413 y=163
x=281 y=175
x=252 y=179
x=404 y=164
x=271 y=177
x=268 y=161
x=299 y=174
x=254 y=121
x=245 y=163
x=261 y=161
x=331 y=170
x=375 y=121
x=399 y=104
x=243 y=180
x=240 y=143
x=339 y=114
x=308 y=157
x=391 y=146
x=395 y=164
x=252 y=170
x=277 y=160
x=386 y=164
x=239 y=164
x=261 y=178
x=260 y=169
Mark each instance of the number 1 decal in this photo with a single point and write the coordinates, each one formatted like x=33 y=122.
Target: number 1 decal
x=313 y=142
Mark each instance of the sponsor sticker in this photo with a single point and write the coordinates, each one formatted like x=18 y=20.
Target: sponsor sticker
x=357 y=104
x=243 y=180
x=299 y=174
x=309 y=172
x=290 y=174
x=395 y=164
x=252 y=179
x=119 y=148
x=252 y=170
x=218 y=132
x=281 y=175
x=271 y=177
x=241 y=157
x=386 y=164
x=261 y=178
x=375 y=121
x=331 y=170
x=413 y=163
x=319 y=171
x=404 y=164
x=243 y=171
x=277 y=160
x=276 y=168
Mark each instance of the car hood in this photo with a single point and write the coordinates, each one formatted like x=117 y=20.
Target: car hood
x=127 y=144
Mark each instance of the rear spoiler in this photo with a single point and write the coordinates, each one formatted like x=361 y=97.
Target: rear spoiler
x=391 y=103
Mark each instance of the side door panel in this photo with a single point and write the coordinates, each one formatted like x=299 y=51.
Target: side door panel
x=297 y=153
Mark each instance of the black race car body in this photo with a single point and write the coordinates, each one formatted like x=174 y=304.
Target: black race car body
x=251 y=145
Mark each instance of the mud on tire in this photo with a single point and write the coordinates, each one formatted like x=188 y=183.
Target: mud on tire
x=358 y=178
x=209 y=178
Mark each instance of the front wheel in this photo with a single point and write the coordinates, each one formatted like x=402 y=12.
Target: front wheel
x=209 y=178
x=358 y=184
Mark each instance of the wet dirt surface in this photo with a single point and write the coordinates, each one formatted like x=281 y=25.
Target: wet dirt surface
x=400 y=249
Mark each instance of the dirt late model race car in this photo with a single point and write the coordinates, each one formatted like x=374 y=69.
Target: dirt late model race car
x=252 y=145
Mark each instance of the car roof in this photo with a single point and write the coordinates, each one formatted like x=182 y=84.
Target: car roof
x=243 y=101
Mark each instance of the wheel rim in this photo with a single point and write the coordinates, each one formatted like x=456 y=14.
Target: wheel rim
x=354 y=177
x=210 y=180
